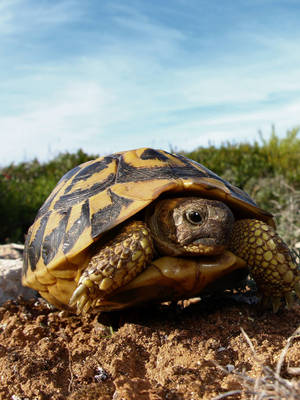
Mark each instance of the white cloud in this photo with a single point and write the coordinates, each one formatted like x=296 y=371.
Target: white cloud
x=61 y=123
x=18 y=16
x=139 y=83
x=6 y=16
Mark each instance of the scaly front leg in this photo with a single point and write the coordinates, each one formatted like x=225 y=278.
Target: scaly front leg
x=114 y=264
x=269 y=259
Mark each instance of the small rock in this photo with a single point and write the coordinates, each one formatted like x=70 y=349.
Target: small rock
x=12 y=251
x=101 y=375
x=10 y=281
x=230 y=367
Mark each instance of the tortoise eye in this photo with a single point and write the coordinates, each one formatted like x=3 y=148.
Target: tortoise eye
x=194 y=217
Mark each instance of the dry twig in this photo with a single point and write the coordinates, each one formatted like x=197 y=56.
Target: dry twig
x=269 y=385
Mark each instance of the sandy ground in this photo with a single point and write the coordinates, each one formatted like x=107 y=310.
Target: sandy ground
x=160 y=352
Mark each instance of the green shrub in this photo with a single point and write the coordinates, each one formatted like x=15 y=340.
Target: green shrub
x=243 y=161
x=269 y=170
x=282 y=200
x=24 y=188
x=284 y=155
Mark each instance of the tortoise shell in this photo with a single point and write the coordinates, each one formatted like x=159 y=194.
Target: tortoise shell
x=96 y=196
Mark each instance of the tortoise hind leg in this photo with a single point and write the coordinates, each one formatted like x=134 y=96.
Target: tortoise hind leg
x=269 y=259
x=114 y=264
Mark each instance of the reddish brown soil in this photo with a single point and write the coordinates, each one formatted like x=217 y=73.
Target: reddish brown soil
x=163 y=352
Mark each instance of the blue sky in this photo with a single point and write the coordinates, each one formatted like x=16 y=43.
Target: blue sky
x=109 y=75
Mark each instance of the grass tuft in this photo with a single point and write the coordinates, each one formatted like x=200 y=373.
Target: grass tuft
x=269 y=385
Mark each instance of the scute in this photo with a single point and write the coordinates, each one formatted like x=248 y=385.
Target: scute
x=107 y=215
x=52 y=241
x=100 y=194
x=87 y=183
x=151 y=154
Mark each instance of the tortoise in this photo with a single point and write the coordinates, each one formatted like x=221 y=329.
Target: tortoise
x=145 y=225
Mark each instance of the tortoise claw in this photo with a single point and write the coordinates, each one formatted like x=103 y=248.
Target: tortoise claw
x=79 y=298
x=83 y=300
x=276 y=302
x=289 y=299
x=85 y=308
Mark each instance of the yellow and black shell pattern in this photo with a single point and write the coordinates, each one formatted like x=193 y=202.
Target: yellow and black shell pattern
x=98 y=195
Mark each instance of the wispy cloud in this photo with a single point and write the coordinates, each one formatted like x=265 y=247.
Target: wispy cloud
x=19 y=16
x=126 y=76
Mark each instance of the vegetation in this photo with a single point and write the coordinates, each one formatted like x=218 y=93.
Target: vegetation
x=24 y=188
x=243 y=162
x=268 y=170
x=270 y=384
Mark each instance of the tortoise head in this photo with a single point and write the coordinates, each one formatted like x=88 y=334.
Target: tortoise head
x=190 y=226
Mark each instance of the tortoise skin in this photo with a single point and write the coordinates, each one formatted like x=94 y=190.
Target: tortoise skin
x=98 y=195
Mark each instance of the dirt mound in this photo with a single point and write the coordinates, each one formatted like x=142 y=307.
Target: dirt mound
x=163 y=352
